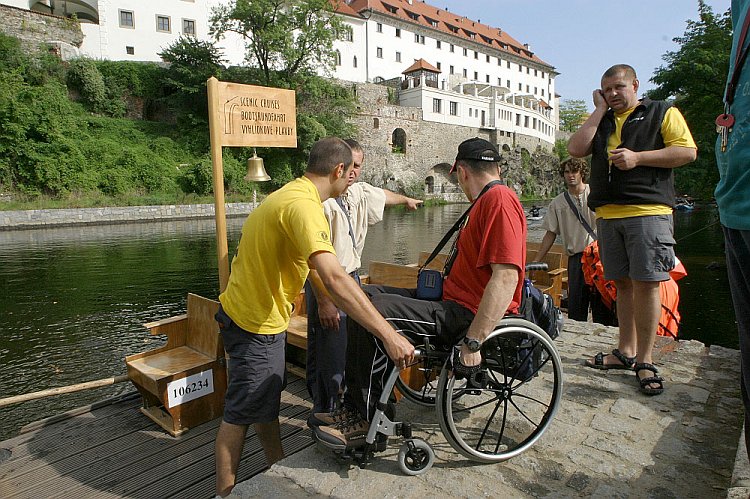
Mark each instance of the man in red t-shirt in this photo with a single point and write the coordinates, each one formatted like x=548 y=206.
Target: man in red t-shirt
x=482 y=283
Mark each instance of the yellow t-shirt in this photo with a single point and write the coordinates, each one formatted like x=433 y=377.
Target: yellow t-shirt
x=675 y=132
x=271 y=263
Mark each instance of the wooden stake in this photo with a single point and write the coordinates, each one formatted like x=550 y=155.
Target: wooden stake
x=214 y=126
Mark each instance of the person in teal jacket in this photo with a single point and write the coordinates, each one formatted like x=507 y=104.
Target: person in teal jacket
x=733 y=192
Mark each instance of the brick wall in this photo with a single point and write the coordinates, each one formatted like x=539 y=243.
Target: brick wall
x=35 y=28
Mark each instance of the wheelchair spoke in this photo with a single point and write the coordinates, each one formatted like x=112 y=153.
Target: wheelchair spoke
x=522 y=413
x=528 y=397
x=471 y=408
x=487 y=426
x=502 y=426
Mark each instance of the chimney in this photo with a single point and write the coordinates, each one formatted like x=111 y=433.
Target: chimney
x=527 y=46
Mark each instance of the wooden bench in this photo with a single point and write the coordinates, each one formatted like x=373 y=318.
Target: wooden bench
x=183 y=383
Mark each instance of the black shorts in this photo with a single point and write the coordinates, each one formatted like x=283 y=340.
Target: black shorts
x=256 y=373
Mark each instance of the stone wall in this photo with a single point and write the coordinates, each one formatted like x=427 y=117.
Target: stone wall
x=34 y=219
x=35 y=28
x=430 y=148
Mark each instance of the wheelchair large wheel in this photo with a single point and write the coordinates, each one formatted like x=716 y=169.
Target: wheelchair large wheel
x=504 y=409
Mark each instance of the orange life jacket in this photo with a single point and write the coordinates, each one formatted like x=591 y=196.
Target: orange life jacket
x=669 y=293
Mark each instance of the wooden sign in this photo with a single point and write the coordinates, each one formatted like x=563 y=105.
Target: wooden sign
x=248 y=115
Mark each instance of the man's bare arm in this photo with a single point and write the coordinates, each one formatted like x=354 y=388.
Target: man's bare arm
x=494 y=304
x=547 y=241
x=392 y=199
x=581 y=141
x=669 y=157
x=348 y=296
x=328 y=312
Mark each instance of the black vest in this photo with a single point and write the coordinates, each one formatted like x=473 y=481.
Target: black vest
x=643 y=184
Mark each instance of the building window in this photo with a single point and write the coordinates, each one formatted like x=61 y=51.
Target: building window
x=542 y=92
x=536 y=90
x=453 y=108
x=163 y=24
x=354 y=61
x=466 y=53
x=439 y=45
x=488 y=58
x=453 y=48
x=499 y=61
x=520 y=87
x=379 y=52
x=476 y=55
x=520 y=68
x=527 y=89
x=398 y=56
x=379 y=27
x=130 y=50
x=535 y=73
x=438 y=66
x=347 y=34
x=437 y=105
x=452 y=69
x=476 y=76
x=526 y=122
x=418 y=38
x=376 y=123
x=337 y=58
x=528 y=69
x=398 y=32
x=499 y=82
x=507 y=84
x=127 y=19
x=398 y=140
x=466 y=73
x=508 y=64
x=188 y=27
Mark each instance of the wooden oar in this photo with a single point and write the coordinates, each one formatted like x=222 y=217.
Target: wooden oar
x=63 y=389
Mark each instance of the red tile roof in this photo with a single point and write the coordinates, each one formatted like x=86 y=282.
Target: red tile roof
x=342 y=8
x=421 y=64
x=423 y=14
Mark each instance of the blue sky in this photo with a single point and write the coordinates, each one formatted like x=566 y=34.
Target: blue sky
x=580 y=38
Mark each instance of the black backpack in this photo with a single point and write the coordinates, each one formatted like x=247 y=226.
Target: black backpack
x=539 y=308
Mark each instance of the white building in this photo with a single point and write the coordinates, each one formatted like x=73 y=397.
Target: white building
x=470 y=74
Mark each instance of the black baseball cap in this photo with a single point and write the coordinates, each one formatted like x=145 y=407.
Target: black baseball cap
x=477 y=149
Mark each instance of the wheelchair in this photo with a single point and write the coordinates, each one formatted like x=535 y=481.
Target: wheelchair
x=495 y=415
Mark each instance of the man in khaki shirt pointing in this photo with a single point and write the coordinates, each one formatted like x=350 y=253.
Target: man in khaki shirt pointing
x=349 y=216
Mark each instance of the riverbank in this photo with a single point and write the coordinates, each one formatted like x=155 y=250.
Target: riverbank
x=607 y=440
x=35 y=219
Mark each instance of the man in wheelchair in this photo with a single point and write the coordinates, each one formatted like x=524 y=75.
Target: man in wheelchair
x=483 y=282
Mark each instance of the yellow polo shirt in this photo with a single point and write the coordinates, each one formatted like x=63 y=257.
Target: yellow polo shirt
x=675 y=132
x=271 y=263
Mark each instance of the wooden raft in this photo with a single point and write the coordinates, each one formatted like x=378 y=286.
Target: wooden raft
x=109 y=450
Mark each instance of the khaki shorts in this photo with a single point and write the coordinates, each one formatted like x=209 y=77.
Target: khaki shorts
x=637 y=248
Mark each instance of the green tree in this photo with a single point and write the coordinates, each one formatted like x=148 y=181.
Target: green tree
x=694 y=76
x=572 y=114
x=283 y=38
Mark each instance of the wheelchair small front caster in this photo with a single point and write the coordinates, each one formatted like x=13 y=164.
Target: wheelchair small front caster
x=415 y=457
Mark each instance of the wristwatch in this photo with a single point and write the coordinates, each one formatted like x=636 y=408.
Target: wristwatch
x=473 y=344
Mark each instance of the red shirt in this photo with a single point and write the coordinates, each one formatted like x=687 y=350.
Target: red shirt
x=495 y=233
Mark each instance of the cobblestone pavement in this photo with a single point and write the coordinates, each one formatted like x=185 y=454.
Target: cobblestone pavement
x=607 y=440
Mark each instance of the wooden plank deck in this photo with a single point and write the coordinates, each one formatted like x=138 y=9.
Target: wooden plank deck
x=110 y=449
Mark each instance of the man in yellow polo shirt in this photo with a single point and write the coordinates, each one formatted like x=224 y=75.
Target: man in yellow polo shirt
x=281 y=240
x=634 y=144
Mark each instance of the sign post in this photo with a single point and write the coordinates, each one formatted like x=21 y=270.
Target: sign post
x=250 y=116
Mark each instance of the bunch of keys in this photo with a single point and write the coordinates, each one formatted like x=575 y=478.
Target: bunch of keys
x=724 y=124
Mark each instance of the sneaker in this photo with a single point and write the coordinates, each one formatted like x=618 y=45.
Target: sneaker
x=339 y=415
x=348 y=434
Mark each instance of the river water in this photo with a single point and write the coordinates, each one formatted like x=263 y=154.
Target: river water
x=72 y=300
